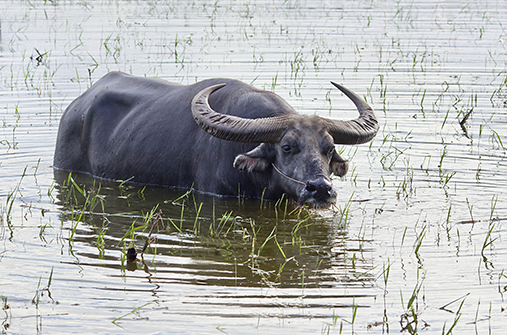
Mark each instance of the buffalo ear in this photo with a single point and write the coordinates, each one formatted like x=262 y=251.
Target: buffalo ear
x=339 y=166
x=255 y=160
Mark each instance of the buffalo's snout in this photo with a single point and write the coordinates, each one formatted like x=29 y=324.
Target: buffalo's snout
x=320 y=189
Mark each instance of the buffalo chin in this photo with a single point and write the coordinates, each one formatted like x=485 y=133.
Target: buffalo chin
x=317 y=203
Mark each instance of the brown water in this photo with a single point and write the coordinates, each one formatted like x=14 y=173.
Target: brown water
x=419 y=246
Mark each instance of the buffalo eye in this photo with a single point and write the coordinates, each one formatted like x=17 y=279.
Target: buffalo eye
x=330 y=152
x=286 y=148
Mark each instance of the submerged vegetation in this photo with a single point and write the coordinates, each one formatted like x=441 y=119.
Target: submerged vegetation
x=414 y=244
x=266 y=249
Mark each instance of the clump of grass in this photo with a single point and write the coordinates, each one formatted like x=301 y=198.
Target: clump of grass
x=354 y=312
x=39 y=292
x=129 y=252
x=389 y=159
x=129 y=238
x=457 y=314
x=80 y=202
x=342 y=216
x=76 y=197
x=100 y=243
x=410 y=320
x=488 y=242
x=156 y=220
x=406 y=187
x=385 y=273
x=11 y=197
x=220 y=229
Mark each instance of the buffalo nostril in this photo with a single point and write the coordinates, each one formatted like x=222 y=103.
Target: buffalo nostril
x=319 y=188
x=310 y=187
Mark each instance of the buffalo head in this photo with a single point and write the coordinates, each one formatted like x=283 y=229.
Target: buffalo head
x=296 y=150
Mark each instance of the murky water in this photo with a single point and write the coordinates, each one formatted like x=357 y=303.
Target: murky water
x=415 y=244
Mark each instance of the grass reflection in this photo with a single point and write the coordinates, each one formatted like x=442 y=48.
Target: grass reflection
x=212 y=240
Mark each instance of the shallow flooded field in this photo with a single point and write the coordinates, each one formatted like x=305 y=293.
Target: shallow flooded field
x=415 y=243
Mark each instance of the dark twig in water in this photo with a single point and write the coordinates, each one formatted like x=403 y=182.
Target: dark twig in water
x=132 y=253
x=40 y=58
x=444 y=307
x=462 y=122
x=150 y=238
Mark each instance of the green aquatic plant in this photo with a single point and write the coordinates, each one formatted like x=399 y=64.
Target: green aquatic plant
x=448 y=226
x=470 y=211
x=494 y=201
x=457 y=314
x=11 y=197
x=8 y=316
x=342 y=215
x=418 y=243
x=100 y=242
x=197 y=222
x=134 y=311
x=221 y=226
x=80 y=202
x=40 y=290
x=385 y=274
x=499 y=96
x=498 y=139
x=441 y=163
x=488 y=242
x=389 y=159
x=410 y=320
x=406 y=187
x=154 y=216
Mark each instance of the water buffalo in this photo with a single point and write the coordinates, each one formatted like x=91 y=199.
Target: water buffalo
x=159 y=133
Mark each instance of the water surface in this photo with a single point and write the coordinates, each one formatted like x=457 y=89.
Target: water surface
x=414 y=245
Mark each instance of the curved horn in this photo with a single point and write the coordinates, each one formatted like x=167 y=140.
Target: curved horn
x=357 y=131
x=233 y=128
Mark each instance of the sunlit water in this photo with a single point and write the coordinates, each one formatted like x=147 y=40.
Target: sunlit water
x=415 y=245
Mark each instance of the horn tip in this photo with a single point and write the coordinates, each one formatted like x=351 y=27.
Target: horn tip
x=218 y=86
x=338 y=86
x=213 y=88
